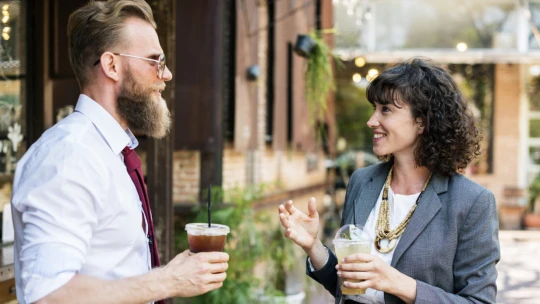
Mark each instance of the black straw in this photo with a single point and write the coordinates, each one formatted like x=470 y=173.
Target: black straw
x=209 y=204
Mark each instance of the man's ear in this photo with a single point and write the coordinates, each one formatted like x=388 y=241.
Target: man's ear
x=110 y=65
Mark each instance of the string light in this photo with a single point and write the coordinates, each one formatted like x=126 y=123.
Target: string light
x=357 y=77
x=462 y=46
x=372 y=74
x=359 y=62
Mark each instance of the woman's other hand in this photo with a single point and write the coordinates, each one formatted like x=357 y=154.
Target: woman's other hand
x=300 y=228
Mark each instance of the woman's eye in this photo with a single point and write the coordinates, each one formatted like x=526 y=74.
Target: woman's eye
x=385 y=109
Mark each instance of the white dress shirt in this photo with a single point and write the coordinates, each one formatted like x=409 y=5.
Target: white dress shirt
x=75 y=208
x=398 y=208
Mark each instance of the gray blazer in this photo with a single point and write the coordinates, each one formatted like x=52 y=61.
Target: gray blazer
x=450 y=246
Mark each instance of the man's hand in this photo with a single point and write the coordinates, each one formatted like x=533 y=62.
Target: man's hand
x=193 y=274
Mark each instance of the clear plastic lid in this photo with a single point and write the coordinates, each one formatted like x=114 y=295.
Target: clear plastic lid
x=352 y=232
x=203 y=229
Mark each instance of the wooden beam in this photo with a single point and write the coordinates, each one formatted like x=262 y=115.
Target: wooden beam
x=159 y=159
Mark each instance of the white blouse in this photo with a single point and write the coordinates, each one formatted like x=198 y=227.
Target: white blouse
x=399 y=206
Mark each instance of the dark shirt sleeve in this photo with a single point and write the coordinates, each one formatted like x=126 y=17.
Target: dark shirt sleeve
x=326 y=276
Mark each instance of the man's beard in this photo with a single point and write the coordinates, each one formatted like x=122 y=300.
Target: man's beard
x=141 y=111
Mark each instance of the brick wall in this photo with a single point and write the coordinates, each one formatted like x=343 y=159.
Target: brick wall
x=186 y=175
x=506 y=131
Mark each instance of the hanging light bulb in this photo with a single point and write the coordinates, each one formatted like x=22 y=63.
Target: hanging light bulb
x=5 y=36
x=372 y=74
x=5 y=19
x=5 y=7
x=6 y=29
x=359 y=61
x=357 y=77
x=462 y=46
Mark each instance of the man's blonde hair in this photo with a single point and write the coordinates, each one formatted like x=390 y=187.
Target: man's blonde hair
x=98 y=27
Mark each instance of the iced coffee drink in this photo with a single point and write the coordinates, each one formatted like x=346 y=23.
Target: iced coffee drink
x=202 y=238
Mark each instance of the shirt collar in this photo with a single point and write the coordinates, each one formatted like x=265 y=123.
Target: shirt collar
x=116 y=137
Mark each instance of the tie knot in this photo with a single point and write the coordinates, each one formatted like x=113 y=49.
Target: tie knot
x=126 y=151
x=131 y=159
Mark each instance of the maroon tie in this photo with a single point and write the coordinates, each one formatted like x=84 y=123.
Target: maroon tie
x=133 y=165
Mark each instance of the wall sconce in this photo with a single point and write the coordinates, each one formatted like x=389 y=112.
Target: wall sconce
x=304 y=45
x=253 y=72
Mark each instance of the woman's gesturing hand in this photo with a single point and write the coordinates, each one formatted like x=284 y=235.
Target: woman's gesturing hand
x=300 y=228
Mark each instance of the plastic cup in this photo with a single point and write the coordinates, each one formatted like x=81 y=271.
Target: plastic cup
x=349 y=240
x=202 y=238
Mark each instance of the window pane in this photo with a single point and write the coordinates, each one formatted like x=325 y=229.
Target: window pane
x=534 y=128
x=12 y=86
x=476 y=83
x=534 y=155
x=377 y=25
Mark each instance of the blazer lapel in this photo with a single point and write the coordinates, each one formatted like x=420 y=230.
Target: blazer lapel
x=428 y=206
x=368 y=196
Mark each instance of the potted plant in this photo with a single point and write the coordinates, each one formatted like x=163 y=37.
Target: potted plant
x=245 y=245
x=532 y=218
x=319 y=75
x=280 y=260
x=512 y=208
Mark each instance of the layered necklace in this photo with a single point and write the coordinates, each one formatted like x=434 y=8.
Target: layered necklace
x=382 y=229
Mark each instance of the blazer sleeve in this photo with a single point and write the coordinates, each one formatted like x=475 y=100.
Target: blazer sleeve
x=477 y=254
x=327 y=276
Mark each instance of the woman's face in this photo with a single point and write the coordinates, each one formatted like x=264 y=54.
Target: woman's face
x=394 y=130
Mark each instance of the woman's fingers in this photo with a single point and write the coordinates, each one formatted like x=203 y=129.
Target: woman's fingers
x=289 y=207
x=358 y=257
x=354 y=267
x=358 y=285
x=355 y=275
x=284 y=220
x=312 y=208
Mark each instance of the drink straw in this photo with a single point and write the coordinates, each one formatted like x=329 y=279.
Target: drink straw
x=209 y=204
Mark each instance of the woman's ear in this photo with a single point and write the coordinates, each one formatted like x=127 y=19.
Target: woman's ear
x=420 y=125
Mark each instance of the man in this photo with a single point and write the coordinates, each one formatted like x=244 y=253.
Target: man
x=83 y=232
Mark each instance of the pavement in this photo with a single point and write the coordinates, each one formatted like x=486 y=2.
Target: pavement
x=519 y=268
x=519 y=271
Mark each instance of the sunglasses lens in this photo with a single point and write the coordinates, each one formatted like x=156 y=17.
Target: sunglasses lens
x=162 y=65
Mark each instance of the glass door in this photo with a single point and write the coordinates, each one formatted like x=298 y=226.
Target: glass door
x=12 y=93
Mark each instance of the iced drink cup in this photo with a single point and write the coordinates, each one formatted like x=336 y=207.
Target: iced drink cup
x=202 y=238
x=349 y=240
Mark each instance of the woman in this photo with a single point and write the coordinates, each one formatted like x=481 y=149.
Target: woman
x=436 y=237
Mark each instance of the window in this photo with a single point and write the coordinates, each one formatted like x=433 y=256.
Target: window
x=12 y=86
x=12 y=93
x=387 y=25
x=476 y=82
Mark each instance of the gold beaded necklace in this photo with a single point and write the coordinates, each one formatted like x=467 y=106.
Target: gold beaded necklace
x=382 y=229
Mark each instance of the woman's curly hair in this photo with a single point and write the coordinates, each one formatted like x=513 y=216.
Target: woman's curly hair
x=451 y=139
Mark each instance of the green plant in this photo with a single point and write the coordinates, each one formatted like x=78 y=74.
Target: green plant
x=280 y=258
x=319 y=77
x=245 y=245
x=534 y=193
